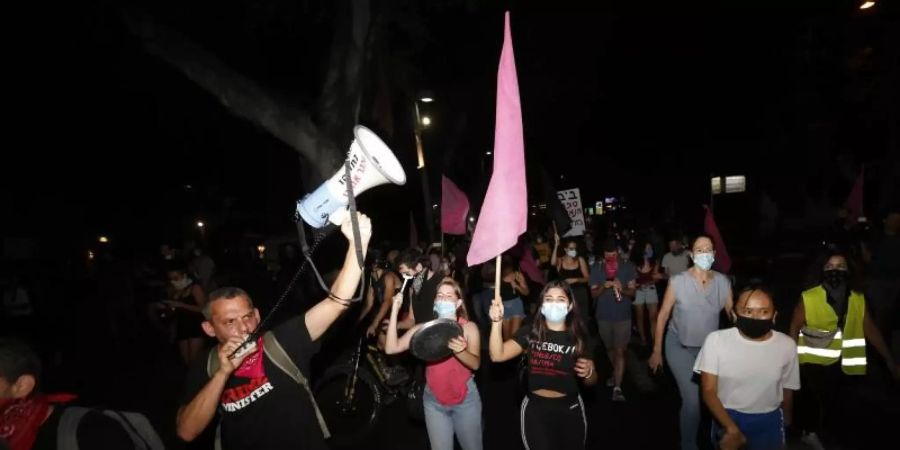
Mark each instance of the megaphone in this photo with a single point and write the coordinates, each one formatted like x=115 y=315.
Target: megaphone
x=372 y=163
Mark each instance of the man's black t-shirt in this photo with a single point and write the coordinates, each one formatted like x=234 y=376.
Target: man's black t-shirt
x=270 y=412
x=551 y=362
x=423 y=302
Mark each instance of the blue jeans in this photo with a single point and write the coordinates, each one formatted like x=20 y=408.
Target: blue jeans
x=763 y=431
x=464 y=419
x=681 y=362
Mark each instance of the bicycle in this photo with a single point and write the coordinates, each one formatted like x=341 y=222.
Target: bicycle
x=351 y=395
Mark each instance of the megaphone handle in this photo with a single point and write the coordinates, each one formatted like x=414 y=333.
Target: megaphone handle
x=357 y=243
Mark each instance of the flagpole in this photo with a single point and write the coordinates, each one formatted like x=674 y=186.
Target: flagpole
x=497 y=279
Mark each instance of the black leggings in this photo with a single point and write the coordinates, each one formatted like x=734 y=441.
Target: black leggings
x=553 y=423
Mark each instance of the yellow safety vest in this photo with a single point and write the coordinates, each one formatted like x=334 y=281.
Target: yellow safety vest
x=849 y=346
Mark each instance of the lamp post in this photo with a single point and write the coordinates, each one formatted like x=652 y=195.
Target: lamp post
x=423 y=122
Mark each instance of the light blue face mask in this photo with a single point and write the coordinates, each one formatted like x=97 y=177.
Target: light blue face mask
x=703 y=260
x=555 y=312
x=445 y=310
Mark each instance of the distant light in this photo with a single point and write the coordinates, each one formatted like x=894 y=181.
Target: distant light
x=426 y=121
x=103 y=239
x=200 y=224
x=188 y=187
x=471 y=219
x=715 y=183
x=736 y=183
x=426 y=99
x=867 y=5
x=90 y=254
x=488 y=153
x=434 y=206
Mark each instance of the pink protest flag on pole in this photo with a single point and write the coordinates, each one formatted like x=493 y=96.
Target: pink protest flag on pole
x=504 y=212
x=855 y=199
x=454 y=208
x=413 y=234
x=723 y=261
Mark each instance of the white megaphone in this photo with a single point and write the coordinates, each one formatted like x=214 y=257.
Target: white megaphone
x=372 y=163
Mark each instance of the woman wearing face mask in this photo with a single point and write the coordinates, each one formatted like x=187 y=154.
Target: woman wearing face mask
x=451 y=400
x=645 y=298
x=748 y=376
x=559 y=356
x=186 y=300
x=831 y=324
x=694 y=299
x=573 y=269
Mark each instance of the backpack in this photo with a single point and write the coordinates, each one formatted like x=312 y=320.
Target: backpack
x=135 y=424
x=280 y=358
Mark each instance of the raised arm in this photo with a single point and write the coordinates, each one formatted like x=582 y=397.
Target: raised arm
x=554 y=260
x=321 y=316
x=500 y=351
x=393 y=345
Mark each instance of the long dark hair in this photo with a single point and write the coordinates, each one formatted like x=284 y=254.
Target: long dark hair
x=574 y=327
x=814 y=276
x=637 y=254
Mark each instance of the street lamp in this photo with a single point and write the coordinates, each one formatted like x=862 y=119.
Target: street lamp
x=422 y=122
x=103 y=240
x=200 y=224
x=867 y=5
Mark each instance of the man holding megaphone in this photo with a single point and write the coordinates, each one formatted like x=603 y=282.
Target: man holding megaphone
x=262 y=392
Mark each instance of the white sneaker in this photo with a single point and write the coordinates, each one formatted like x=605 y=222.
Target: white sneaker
x=812 y=440
x=617 y=395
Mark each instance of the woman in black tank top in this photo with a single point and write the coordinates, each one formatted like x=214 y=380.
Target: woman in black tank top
x=573 y=269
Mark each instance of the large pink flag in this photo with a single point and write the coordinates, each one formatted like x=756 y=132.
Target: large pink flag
x=855 y=199
x=723 y=261
x=454 y=208
x=504 y=212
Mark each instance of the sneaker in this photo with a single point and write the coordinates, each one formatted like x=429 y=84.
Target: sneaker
x=611 y=382
x=812 y=440
x=617 y=395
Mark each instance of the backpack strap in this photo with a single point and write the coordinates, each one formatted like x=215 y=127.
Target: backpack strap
x=280 y=358
x=67 y=433
x=139 y=428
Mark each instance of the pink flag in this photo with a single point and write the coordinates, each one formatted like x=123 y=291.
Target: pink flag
x=454 y=208
x=855 y=200
x=504 y=212
x=530 y=267
x=413 y=235
x=723 y=261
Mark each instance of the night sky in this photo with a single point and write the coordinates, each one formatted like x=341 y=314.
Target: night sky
x=645 y=103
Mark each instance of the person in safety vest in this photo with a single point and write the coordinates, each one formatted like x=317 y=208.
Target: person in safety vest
x=832 y=327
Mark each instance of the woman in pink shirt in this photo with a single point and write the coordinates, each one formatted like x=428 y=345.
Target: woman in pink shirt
x=451 y=399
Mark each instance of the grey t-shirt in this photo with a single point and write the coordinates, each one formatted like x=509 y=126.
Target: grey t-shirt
x=674 y=265
x=696 y=312
x=608 y=309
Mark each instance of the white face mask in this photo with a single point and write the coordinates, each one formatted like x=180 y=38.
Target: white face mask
x=571 y=253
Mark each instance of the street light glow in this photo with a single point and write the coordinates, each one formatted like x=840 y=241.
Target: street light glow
x=103 y=239
x=200 y=224
x=867 y=5
x=426 y=121
x=426 y=99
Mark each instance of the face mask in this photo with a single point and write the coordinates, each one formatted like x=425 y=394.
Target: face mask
x=753 y=328
x=555 y=312
x=678 y=252
x=703 y=260
x=572 y=253
x=182 y=283
x=835 y=278
x=445 y=310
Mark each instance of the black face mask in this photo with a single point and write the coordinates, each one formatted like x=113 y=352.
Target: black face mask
x=678 y=252
x=835 y=278
x=753 y=328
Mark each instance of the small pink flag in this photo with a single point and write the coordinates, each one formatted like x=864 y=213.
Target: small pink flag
x=855 y=199
x=454 y=208
x=504 y=212
x=723 y=261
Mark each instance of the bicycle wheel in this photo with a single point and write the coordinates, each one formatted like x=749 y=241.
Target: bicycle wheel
x=349 y=419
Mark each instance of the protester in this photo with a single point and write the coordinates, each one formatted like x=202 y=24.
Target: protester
x=573 y=269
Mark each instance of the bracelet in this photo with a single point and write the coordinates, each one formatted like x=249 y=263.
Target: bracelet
x=340 y=301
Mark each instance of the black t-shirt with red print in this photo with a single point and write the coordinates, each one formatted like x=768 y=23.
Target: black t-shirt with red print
x=551 y=362
x=271 y=411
